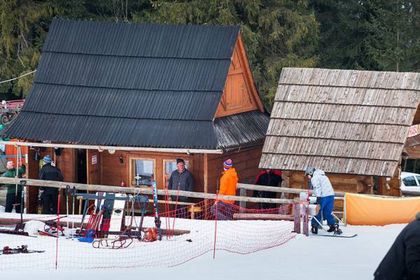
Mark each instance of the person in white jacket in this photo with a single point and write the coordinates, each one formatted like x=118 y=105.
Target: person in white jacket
x=324 y=192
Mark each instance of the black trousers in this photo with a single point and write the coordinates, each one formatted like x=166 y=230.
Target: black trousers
x=13 y=200
x=49 y=202
x=266 y=195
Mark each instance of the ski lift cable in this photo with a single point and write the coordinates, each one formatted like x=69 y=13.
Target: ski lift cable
x=21 y=76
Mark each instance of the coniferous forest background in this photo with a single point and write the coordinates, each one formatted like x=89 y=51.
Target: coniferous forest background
x=344 y=34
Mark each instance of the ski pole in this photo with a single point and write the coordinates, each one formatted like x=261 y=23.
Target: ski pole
x=67 y=203
x=22 y=197
x=72 y=208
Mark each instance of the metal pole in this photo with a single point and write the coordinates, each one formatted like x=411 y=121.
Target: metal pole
x=16 y=177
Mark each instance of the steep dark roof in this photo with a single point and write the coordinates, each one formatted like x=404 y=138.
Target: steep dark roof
x=142 y=85
x=242 y=130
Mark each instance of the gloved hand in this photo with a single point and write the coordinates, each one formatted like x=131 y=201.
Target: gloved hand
x=40 y=195
x=315 y=200
x=312 y=199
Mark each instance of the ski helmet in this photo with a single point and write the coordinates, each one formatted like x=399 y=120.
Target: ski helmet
x=309 y=171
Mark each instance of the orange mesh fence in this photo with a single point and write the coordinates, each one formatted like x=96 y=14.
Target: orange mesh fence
x=183 y=240
x=370 y=210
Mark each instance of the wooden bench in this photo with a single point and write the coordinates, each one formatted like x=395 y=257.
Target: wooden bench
x=194 y=209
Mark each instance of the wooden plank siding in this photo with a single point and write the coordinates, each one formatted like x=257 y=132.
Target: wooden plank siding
x=32 y=172
x=240 y=94
x=94 y=170
x=341 y=121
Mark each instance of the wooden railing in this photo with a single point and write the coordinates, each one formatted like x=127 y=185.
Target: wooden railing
x=277 y=189
x=138 y=190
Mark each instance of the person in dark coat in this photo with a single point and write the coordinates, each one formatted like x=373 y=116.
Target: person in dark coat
x=14 y=198
x=402 y=262
x=182 y=180
x=268 y=177
x=50 y=195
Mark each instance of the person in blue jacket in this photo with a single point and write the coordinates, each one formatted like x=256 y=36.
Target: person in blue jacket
x=324 y=193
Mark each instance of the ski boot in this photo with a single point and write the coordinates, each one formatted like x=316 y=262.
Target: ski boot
x=335 y=229
x=314 y=229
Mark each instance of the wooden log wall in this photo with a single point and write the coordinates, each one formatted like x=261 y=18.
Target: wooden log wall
x=349 y=183
x=414 y=151
x=340 y=182
x=390 y=186
x=245 y=162
x=119 y=166
x=111 y=169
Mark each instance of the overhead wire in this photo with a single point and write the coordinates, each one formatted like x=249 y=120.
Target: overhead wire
x=16 y=78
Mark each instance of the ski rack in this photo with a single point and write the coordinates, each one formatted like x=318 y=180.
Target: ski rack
x=156 y=207
x=91 y=196
x=142 y=199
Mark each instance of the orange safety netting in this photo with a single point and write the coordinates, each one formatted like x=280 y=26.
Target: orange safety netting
x=206 y=233
x=369 y=210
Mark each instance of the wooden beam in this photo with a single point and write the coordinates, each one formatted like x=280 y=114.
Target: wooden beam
x=140 y=190
x=206 y=173
x=112 y=148
x=277 y=189
x=14 y=221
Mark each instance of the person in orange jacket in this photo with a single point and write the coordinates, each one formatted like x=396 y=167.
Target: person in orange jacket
x=223 y=209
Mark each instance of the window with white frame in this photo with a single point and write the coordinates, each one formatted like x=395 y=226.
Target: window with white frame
x=143 y=171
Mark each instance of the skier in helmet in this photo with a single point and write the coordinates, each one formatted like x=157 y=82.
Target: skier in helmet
x=324 y=192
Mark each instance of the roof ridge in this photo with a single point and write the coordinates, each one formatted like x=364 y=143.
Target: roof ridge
x=332 y=138
x=137 y=56
x=330 y=156
x=104 y=22
x=346 y=104
x=343 y=86
x=338 y=121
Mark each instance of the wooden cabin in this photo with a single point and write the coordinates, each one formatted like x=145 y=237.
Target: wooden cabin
x=128 y=99
x=411 y=154
x=351 y=124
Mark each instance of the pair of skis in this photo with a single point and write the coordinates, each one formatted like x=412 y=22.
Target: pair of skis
x=18 y=250
x=331 y=234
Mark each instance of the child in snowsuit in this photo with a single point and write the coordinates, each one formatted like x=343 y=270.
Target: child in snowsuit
x=324 y=192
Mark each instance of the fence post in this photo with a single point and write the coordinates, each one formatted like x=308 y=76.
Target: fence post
x=296 y=208
x=58 y=230
x=242 y=204
x=305 y=219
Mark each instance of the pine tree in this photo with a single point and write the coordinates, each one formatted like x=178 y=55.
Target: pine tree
x=277 y=33
x=369 y=34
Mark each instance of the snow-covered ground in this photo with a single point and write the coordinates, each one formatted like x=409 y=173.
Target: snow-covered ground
x=301 y=257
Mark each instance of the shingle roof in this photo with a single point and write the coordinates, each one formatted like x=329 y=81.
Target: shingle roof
x=143 y=85
x=341 y=121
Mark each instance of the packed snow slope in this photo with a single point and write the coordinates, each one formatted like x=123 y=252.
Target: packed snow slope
x=302 y=257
